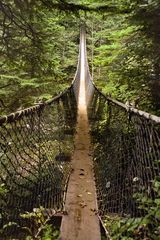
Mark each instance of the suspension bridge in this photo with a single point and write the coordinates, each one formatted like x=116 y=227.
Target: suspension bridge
x=79 y=157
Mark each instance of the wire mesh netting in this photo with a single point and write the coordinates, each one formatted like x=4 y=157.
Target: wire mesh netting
x=127 y=168
x=35 y=149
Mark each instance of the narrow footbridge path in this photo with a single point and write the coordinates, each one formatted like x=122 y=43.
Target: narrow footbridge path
x=75 y=162
x=81 y=221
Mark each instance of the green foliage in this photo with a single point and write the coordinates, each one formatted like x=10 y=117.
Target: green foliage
x=44 y=231
x=49 y=233
x=3 y=189
x=140 y=228
x=39 y=51
x=125 y=52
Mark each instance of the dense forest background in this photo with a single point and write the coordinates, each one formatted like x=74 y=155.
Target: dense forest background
x=39 y=48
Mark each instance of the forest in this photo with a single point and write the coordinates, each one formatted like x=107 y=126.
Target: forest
x=40 y=120
x=39 y=50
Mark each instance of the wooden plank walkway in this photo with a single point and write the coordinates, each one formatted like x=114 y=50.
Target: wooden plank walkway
x=81 y=221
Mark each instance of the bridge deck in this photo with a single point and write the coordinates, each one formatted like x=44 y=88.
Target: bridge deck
x=81 y=221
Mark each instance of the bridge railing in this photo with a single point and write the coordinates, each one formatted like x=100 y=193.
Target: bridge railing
x=35 y=148
x=127 y=163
